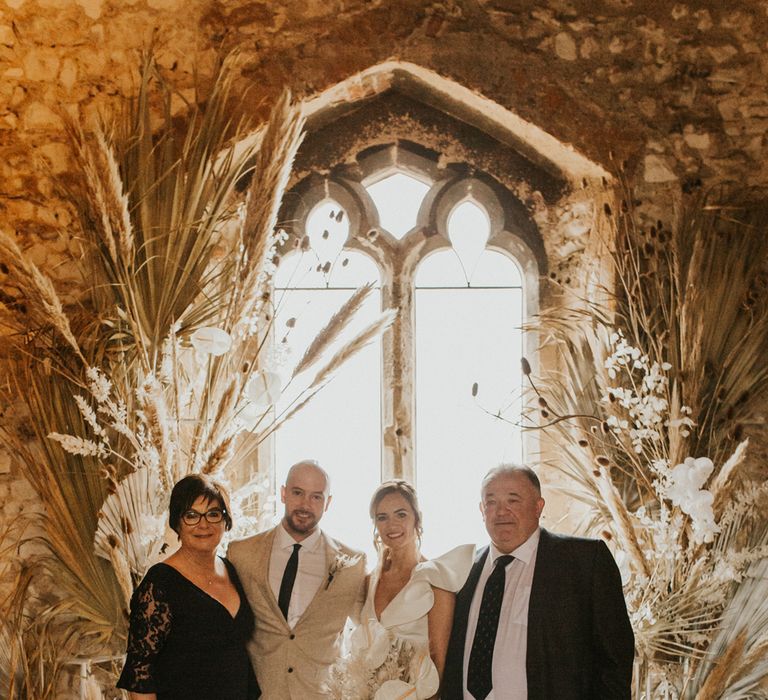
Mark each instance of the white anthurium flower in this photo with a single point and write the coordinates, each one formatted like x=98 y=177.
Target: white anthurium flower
x=249 y=415
x=625 y=566
x=379 y=645
x=211 y=341
x=394 y=690
x=263 y=389
x=702 y=516
x=425 y=672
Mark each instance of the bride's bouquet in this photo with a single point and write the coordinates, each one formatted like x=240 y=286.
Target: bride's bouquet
x=389 y=668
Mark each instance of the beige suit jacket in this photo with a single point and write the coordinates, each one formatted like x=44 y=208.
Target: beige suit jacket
x=292 y=664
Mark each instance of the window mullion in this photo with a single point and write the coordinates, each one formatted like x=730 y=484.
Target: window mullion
x=398 y=408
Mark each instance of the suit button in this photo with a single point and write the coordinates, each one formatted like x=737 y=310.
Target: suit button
x=293 y=636
x=290 y=669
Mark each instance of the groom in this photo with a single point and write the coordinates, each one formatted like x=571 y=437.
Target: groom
x=541 y=616
x=302 y=586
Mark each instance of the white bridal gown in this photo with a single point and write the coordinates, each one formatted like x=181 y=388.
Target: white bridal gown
x=405 y=620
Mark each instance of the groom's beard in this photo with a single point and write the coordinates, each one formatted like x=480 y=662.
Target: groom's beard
x=302 y=524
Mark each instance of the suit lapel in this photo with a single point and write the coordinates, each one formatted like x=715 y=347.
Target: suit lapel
x=467 y=592
x=454 y=666
x=262 y=574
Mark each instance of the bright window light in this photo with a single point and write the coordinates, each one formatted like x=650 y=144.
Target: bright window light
x=341 y=426
x=464 y=335
x=398 y=199
x=468 y=230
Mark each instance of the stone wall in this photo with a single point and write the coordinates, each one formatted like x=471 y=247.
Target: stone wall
x=673 y=94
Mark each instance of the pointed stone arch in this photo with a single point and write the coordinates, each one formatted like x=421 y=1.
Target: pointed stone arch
x=441 y=93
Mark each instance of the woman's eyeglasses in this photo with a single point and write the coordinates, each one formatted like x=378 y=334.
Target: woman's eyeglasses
x=213 y=516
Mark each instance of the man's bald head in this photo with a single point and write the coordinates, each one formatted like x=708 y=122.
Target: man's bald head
x=309 y=466
x=306 y=496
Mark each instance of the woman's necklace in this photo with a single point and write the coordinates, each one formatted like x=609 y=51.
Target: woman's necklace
x=208 y=576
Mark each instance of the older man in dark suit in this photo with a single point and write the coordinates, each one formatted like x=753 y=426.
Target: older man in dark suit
x=541 y=616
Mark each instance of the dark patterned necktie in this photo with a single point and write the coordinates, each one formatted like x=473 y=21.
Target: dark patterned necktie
x=286 y=585
x=479 y=678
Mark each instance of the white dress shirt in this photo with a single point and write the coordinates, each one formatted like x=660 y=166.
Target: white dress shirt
x=311 y=573
x=509 y=650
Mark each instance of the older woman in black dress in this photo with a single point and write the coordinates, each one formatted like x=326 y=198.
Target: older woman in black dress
x=190 y=619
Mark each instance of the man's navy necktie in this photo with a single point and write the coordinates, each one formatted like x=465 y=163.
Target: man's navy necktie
x=479 y=677
x=286 y=585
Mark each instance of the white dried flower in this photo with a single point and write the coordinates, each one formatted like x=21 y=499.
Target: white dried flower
x=99 y=386
x=684 y=489
x=79 y=446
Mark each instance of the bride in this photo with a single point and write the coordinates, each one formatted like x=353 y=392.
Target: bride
x=400 y=645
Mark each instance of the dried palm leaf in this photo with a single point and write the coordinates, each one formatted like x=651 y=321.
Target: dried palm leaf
x=128 y=523
x=744 y=626
x=41 y=298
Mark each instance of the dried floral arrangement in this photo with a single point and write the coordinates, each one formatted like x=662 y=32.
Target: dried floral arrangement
x=646 y=418
x=391 y=668
x=160 y=369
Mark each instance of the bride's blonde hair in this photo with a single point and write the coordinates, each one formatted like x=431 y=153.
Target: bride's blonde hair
x=402 y=487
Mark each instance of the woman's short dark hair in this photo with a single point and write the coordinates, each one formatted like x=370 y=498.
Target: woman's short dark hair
x=403 y=488
x=188 y=490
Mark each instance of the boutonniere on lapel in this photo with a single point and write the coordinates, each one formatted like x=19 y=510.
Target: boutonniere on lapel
x=342 y=561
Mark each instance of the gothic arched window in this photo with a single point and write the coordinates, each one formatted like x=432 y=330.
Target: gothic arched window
x=438 y=243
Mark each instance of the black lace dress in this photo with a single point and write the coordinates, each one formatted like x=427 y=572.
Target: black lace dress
x=182 y=643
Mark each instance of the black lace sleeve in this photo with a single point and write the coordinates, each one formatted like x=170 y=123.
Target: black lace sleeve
x=150 y=623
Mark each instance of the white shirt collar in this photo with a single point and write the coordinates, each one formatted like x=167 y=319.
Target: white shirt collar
x=524 y=552
x=309 y=544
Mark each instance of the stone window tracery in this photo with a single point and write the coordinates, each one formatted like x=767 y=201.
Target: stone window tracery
x=438 y=245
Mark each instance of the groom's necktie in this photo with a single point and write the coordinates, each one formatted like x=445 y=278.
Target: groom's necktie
x=479 y=679
x=286 y=585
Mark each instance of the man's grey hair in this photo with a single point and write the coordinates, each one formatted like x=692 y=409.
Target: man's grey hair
x=511 y=469
x=315 y=465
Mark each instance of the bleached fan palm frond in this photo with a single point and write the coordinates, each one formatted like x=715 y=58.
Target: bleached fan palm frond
x=744 y=623
x=128 y=523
